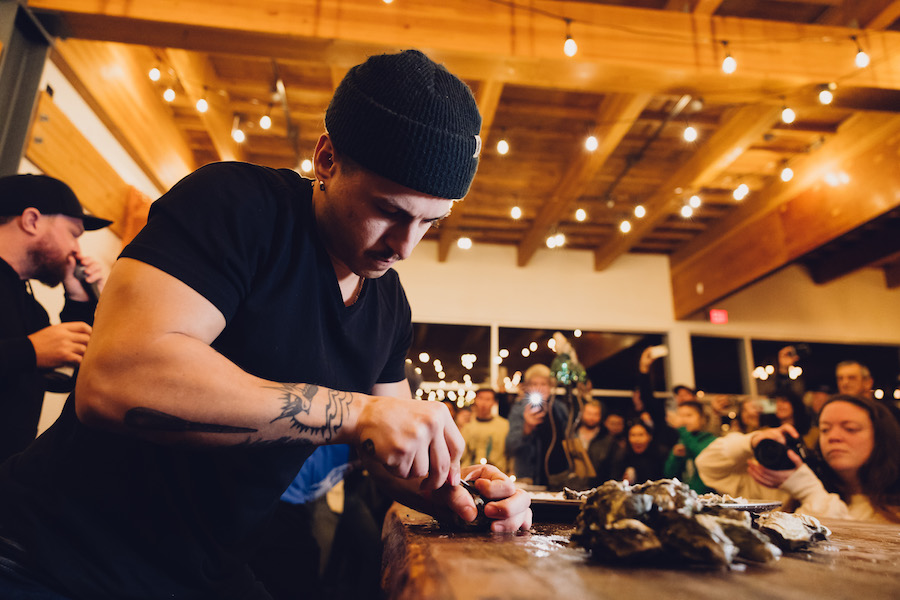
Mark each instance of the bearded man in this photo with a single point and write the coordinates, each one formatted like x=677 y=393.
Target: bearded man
x=41 y=220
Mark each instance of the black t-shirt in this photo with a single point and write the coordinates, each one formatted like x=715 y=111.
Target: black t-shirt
x=110 y=516
x=22 y=384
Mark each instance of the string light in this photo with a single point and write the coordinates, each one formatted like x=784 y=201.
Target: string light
x=690 y=134
x=580 y=215
x=788 y=115
x=729 y=65
x=306 y=165
x=570 y=48
x=687 y=211
x=516 y=212
x=154 y=74
x=237 y=134
x=862 y=59
x=826 y=95
x=640 y=212
x=465 y=243
x=625 y=226
x=787 y=174
x=202 y=105
x=169 y=95
x=502 y=147
x=694 y=201
x=591 y=143
x=741 y=191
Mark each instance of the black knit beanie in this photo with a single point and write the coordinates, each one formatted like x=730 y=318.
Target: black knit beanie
x=408 y=119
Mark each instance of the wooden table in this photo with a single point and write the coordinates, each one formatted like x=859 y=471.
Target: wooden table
x=861 y=561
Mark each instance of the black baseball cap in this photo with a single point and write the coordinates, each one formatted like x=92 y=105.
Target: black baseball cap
x=48 y=195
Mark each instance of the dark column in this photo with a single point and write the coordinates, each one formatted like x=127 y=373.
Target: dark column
x=25 y=48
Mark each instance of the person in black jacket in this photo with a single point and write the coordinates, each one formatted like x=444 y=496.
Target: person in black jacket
x=40 y=222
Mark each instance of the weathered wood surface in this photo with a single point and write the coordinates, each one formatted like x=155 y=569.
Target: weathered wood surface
x=861 y=560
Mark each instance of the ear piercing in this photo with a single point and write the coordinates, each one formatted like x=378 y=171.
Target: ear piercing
x=322 y=185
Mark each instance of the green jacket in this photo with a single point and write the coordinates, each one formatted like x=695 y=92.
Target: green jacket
x=683 y=467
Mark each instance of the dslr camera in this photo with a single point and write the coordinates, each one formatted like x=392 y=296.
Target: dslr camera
x=774 y=455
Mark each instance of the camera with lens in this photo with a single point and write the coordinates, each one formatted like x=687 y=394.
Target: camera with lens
x=774 y=455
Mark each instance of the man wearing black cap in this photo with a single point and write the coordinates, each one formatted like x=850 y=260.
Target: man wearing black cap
x=255 y=317
x=40 y=223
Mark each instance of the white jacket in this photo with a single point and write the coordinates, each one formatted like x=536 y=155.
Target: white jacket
x=723 y=467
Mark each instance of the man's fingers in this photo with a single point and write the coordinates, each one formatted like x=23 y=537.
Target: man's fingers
x=439 y=468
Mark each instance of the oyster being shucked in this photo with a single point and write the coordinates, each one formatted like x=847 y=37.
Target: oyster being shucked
x=697 y=539
x=791 y=531
x=670 y=494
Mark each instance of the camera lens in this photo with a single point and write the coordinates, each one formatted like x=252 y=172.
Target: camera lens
x=773 y=455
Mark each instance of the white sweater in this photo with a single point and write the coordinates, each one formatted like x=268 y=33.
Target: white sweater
x=723 y=467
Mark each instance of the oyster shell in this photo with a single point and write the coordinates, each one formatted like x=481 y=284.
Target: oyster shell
x=697 y=538
x=791 y=531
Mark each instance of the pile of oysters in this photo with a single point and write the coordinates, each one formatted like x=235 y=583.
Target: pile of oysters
x=665 y=521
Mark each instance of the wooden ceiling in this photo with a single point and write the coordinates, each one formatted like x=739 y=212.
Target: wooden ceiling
x=644 y=71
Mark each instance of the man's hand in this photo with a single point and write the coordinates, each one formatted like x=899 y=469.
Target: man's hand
x=679 y=450
x=508 y=506
x=93 y=272
x=59 y=345
x=533 y=415
x=412 y=438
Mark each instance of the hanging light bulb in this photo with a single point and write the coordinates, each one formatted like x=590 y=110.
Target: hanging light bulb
x=694 y=201
x=787 y=174
x=729 y=65
x=306 y=165
x=580 y=215
x=560 y=239
x=464 y=243
x=265 y=121
x=202 y=105
x=237 y=134
x=826 y=95
x=569 y=47
x=516 y=212
x=690 y=134
x=591 y=143
x=862 y=59
x=502 y=147
x=154 y=74
x=640 y=212
x=788 y=115
x=169 y=95
x=551 y=243
x=741 y=191
x=687 y=211
x=625 y=226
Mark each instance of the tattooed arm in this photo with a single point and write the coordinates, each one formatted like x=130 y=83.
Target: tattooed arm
x=150 y=371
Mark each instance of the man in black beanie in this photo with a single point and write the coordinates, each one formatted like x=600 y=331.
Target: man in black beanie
x=40 y=223
x=255 y=317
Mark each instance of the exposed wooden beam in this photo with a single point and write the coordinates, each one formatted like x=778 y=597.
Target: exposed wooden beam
x=192 y=70
x=488 y=99
x=892 y=275
x=706 y=7
x=624 y=49
x=866 y=250
x=787 y=220
x=615 y=116
x=739 y=130
x=863 y=14
x=119 y=87
x=60 y=150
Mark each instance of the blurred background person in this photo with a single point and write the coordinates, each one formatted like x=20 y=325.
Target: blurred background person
x=535 y=437
x=41 y=220
x=642 y=459
x=858 y=474
x=485 y=434
x=689 y=420
x=785 y=380
x=790 y=410
x=855 y=379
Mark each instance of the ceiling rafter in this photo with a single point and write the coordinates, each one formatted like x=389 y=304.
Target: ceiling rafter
x=738 y=131
x=191 y=68
x=615 y=116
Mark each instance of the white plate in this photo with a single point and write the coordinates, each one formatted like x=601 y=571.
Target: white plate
x=750 y=505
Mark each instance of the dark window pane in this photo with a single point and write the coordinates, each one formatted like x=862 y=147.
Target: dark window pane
x=818 y=361
x=610 y=359
x=717 y=364
x=447 y=343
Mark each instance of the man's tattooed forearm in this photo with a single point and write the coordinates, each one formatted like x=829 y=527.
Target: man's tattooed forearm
x=149 y=419
x=297 y=400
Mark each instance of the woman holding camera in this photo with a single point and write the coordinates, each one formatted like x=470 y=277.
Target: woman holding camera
x=858 y=476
